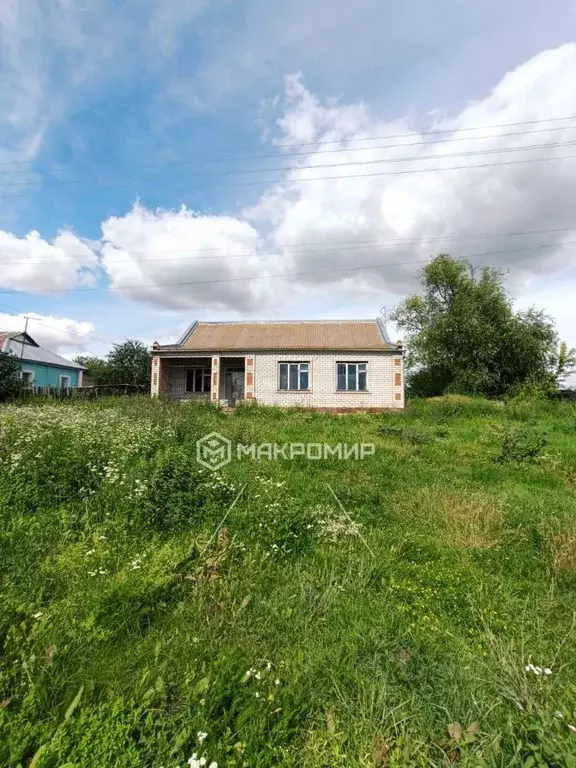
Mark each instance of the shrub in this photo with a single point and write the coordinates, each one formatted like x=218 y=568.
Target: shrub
x=521 y=444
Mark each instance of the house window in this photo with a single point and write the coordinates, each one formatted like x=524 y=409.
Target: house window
x=198 y=380
x=64 y=382
x=28 y=378
x=293 y=376
x=351 y=377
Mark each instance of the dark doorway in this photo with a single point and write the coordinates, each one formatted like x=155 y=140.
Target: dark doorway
x=233 y=383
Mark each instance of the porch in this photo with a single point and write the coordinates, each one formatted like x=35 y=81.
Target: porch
x=220 y=379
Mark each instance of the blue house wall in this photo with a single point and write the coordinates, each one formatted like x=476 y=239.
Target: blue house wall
x=49 y=375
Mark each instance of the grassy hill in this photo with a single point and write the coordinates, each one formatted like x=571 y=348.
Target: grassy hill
x=413 y=608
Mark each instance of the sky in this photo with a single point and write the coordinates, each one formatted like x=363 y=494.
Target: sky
x=163 y=161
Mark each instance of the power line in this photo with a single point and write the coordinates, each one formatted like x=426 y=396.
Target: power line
x=15 y=313
x=282 y=169
x=282 y=182
x=437 y=132
x=291 y=274
x=273 y=249
x=276 y=155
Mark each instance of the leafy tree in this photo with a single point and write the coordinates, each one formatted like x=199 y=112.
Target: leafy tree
x=10 y=378
x=463 y=334
x=97 y=370
x=128 y=363
x=566 y=362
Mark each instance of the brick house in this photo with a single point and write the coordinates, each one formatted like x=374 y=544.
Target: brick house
x=325 y=364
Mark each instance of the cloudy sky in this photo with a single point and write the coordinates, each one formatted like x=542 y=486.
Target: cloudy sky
x=169 y=160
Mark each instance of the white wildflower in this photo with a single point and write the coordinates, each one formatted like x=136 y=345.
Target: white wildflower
x=37 y=615
x=277 y=682
x=201 y=736
x=538 y=670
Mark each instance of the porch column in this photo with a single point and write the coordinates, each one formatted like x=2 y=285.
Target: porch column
x=249 y=377
x=215 y=385
x=155 y=387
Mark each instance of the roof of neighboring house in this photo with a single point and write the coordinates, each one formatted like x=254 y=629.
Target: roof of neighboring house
x=351 y=335
x=4 y=335
x=33 y=353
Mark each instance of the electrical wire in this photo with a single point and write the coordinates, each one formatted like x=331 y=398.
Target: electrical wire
x=288 y=274
x=273 y=250
x=293 y=168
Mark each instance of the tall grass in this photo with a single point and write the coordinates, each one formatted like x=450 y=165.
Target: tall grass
x=408 y=620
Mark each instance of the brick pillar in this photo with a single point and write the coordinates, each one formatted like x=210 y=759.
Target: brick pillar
x=399 y=381
x=155 y=387
x=249 y=377
x=215 y=383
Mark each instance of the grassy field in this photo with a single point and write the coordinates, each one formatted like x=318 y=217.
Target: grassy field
x=415 y=608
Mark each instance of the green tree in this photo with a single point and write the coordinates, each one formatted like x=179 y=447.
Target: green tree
x=10 y=378
x=97 y=370
x=130 y=363
x=566 y=362
x=463 y=334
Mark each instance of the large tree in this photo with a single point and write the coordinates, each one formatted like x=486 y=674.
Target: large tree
x=463 y=334
x=10 y=377
x=128 y=363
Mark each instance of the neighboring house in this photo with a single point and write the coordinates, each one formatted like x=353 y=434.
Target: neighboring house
x=326 y=364
x=40 y=367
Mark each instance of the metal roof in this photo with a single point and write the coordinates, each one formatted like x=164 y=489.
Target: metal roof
x=35 y=354
x=351 y=335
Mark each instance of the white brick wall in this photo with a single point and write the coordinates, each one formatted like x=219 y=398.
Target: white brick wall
x=385 y=379
x=381 y=387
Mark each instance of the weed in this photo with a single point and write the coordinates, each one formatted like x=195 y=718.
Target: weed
x=521 y=444
x=146 y=620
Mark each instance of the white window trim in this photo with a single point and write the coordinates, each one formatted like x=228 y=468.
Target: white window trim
x=356 y=363
x=66 y=376
x=298 y=363
x=27 y=370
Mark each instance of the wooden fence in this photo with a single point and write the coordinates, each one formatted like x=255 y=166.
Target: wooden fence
x=86 y=393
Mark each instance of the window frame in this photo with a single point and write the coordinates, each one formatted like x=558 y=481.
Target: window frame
x=205 y=377
x=356 y=365
x=68 y=379
x=299 y=371
x=28 y=382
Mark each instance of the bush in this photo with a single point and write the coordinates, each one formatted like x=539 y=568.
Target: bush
x=11 y=384
x=521 y=444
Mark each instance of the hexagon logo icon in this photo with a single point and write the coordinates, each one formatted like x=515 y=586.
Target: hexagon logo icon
x=213 y=451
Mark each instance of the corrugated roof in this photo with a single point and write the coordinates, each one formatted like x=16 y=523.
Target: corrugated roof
x=39 y=355
x=365 y=335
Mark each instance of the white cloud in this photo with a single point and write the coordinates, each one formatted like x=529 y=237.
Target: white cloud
x=62 y=335
x=175 y=252
x=31 y=263
x=456 y=203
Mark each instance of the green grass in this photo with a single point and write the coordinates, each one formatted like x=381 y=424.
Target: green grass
x=294 y=636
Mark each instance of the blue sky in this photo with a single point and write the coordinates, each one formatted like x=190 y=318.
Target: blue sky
x=135 y=139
